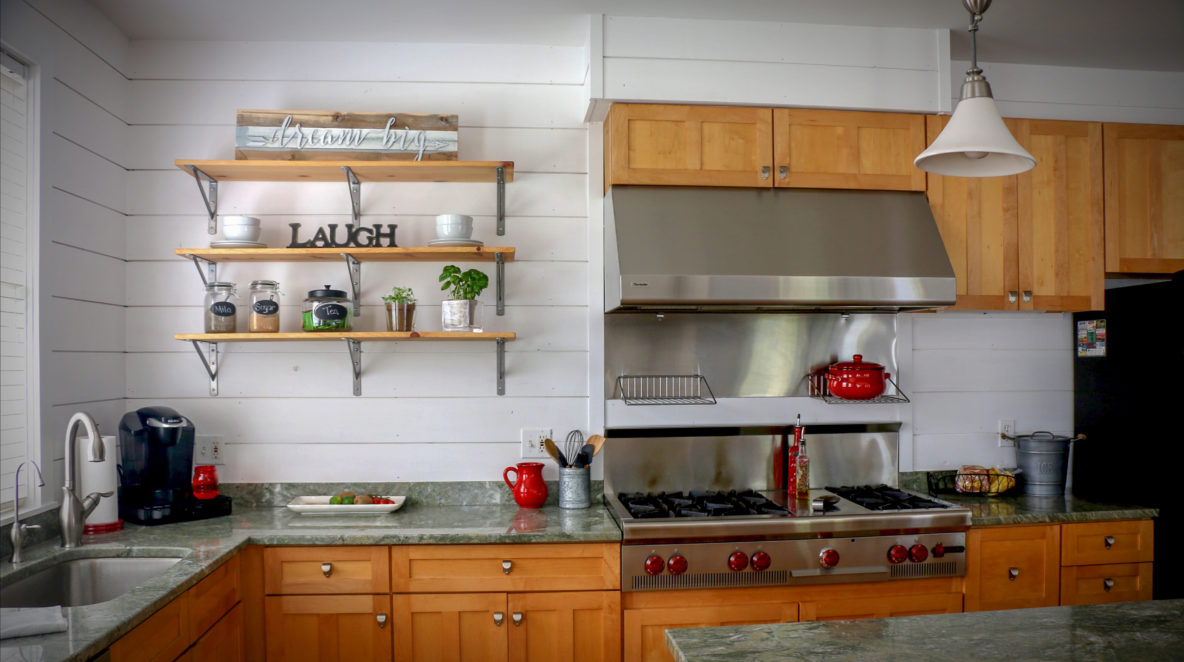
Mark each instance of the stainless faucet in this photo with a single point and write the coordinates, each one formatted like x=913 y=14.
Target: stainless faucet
x=18 y=529
x=72 y=515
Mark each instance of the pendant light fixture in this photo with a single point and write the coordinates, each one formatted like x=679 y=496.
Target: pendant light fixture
x=976 y=142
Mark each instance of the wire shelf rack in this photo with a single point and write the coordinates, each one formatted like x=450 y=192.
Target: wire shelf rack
x=664 y=390
x=820 y=391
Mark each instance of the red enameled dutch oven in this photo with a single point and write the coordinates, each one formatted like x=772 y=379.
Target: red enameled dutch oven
x=856 y=380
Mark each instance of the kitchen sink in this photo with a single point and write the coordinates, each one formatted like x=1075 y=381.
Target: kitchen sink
x=86 y=581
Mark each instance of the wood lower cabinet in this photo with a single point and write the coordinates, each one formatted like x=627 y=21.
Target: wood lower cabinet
x=847 y=150
x=1106 y=561
x=875 y=606
x=1144 y=198
x=450 y=627
x=223 y=642
x=1012 y=567
x=161 y=638
x=329 y=628
x=1114 y=582
x=645 y=629
x=326 y=570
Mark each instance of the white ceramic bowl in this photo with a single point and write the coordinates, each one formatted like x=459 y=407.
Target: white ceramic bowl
x=240 y=220
x=454 y=226
x=240 y=228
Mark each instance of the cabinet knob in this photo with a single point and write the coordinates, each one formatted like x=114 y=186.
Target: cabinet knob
x=1012 y=573
x=516 y=617
x=1027 y=296
x=765 y=172
x=1107 y=584
x=1109 y=540
x=498 y=618
x=381 y=620
x=507 y=566
x=326 y=569
x=783 y=172
x=1012 y=296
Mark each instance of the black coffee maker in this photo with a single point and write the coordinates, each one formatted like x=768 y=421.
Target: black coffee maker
x=156 y=469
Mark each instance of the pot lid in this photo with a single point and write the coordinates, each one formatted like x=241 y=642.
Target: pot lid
x=857 y=363
x=327 y=293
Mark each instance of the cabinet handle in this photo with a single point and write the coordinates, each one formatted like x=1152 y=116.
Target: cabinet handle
x=765 y=172
x=1012 y=296
x=1027 y=296
x=1107 y=584
x=1012 y=573
x=507 y=566
x=498 y=617
x=381 y=620
x=517 y=617
x=783 y=172
x=1109 y=540
x=326 y=569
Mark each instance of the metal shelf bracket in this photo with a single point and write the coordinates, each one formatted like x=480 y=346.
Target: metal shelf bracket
x=355 y=192
x=501 y=200
x=501 y=366
x=209 y=363
x=211 y=198
x=355 y=360
x=500 y=258
x=210 y=273
x=355 y=281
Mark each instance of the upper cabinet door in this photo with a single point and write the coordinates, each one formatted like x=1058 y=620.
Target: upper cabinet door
x=1060 y=219
x=841 y=149
x=688 y=145
x=1144 y=198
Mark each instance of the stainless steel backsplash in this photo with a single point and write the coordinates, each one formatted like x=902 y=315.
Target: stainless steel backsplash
x=743 y=355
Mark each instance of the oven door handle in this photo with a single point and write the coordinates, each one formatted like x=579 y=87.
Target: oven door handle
x=852 y=570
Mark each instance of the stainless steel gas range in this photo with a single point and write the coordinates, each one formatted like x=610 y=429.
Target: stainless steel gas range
x=704 y=509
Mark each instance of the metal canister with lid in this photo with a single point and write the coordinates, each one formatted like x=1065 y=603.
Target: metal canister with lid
x=326 y=310
x=221 y=313
x=265 y=306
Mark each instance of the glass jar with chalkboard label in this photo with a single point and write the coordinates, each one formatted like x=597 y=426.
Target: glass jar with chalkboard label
x=265 y=306
x=221 y=313
x=327 y=310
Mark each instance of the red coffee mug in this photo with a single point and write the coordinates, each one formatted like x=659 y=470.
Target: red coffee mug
x=528 y=487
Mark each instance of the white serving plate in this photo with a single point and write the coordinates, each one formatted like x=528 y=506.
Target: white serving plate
x=319 y=505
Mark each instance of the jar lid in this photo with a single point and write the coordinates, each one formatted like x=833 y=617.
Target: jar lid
x=219 y=285
x=264 y=283
x=857 y=364
x=327 y=293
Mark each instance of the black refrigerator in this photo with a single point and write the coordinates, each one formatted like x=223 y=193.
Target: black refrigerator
x=1128 y=400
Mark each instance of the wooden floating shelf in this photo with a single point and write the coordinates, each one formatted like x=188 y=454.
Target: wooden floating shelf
x=378 y=254
x=365 y=171
x=386 y=336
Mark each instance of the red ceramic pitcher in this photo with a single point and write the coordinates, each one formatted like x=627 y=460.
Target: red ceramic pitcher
x=528 y=487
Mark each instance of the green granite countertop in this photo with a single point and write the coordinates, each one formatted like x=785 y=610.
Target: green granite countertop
x=205 y=545
x=1145 y=631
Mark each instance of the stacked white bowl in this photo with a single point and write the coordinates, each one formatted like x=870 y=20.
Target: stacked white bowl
x=240 y=228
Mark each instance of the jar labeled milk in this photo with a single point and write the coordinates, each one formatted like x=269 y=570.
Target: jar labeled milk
x=326 y=310
x=220 y=309
x=265 y=306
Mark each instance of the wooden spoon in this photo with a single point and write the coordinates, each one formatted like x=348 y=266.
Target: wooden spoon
x=597 y=442
x=554 y=452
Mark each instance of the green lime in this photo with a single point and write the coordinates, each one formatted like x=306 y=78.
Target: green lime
x=349 y=500
x=334 y=500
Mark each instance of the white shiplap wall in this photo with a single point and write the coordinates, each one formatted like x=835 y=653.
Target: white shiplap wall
x=429 y=411
x=80 y=59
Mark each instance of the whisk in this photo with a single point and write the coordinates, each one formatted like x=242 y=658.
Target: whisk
x=572 y=446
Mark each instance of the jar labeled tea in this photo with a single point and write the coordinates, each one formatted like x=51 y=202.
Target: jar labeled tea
x=265 y=306
x=221 y=313
x=326 y=310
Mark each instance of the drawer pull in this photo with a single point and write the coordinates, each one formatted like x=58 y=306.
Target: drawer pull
x=1012 y=296
x=498 y=617
x=1027 y=296
x=1109 y=540
x=507 y=566
x=783 y=171
x=764 y=172
x=326 y=569
x=1107 y=584
x=1012 y=573
x=517 y=617
x=381 y=620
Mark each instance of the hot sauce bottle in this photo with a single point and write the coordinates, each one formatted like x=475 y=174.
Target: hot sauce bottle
x=802 y=467
x=791 y=478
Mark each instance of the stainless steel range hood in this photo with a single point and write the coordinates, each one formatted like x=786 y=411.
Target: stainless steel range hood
x=678 y=248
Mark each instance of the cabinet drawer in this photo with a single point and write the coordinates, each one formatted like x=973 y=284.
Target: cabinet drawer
x=212 y=597
x=541 y=567
x=161 y=638
x=1114 y=582
x=1012 y=567
x=326 y=570
x=1093 y=543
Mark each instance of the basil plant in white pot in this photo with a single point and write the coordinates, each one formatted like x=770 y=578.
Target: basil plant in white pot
x=462 y=312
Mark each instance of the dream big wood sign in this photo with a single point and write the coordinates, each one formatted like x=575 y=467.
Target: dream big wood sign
x=311 y=135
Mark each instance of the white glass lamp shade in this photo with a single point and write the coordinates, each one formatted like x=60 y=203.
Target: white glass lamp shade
x=976 y=143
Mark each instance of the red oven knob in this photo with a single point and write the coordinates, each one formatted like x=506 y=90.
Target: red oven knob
x=828 y=558
x=939 y=550
x=761 y=561
x=918 y=553
x=654 y=565
x=677 y=564
x=898 y=554
x=738 y=561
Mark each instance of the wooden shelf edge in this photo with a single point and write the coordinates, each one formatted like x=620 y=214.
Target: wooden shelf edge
x=383 y=336
x=362 y=254
x=268 y=170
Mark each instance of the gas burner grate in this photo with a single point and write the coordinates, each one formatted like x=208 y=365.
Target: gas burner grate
x=883 y=497
x=698 y=504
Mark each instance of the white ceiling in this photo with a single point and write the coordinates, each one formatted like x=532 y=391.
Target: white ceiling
x=1127 y=34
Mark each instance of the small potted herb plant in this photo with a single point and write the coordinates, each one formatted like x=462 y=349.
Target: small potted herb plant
x=400 y=309
x=461 y=312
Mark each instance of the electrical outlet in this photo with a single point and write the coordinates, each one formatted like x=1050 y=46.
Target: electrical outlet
x=207 y=449
x=532 y=442
x=1006 y=429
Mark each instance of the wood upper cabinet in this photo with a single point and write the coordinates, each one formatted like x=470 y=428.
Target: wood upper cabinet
x=1032 y=241
x=849 y=150
x=579 y=626
x=688 y=145
x=1144 y=198
x=328 y=628
x=1012 y=567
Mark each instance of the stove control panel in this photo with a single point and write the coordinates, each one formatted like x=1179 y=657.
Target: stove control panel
x=649 y=567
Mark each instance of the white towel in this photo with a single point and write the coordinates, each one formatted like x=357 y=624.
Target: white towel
x=22 y=622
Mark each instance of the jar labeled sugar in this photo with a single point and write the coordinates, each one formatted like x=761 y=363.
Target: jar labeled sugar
x=265 y=306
